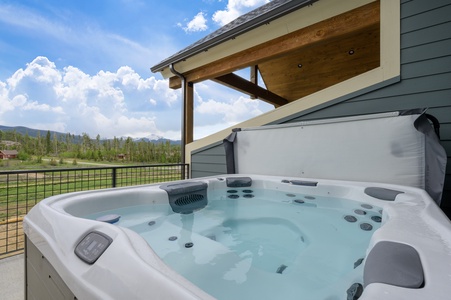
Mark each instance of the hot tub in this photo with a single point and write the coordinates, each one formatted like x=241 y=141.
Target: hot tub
x=240 y=237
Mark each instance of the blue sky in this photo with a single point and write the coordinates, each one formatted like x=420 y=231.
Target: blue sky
x=84 y=66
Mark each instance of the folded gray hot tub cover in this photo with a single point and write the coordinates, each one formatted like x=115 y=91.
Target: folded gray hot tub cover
x=397 y=148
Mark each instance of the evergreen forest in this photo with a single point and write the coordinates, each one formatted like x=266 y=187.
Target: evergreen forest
x=68 y=146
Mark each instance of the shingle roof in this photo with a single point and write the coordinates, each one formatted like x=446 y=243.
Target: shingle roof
x=259 y=16
x=9 y=152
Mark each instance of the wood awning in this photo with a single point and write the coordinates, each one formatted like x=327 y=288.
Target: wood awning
x=304 y=61
x=296 y=64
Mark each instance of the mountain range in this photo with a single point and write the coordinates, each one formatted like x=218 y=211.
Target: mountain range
x=77 y=138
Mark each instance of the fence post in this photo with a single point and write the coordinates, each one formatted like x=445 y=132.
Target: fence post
x=182 y=171
x=113 y=177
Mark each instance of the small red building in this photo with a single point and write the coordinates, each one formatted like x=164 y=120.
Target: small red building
x=8 y=154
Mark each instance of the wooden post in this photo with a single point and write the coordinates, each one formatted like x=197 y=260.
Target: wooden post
x=189 y=112
x=254 y=78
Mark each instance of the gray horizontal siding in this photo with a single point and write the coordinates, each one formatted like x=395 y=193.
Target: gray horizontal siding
x=411 y=8
x=209 y=161
x=425 y=80
x=423 y=15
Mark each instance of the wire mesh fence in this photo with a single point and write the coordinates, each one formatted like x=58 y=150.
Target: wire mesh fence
x=21 y=190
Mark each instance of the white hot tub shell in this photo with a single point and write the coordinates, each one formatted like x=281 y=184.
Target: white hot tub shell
x=129 y=268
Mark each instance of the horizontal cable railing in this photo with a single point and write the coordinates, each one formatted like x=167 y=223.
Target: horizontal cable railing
x=21 y=190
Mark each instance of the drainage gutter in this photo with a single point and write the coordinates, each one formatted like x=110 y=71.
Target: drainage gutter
x=183 y=108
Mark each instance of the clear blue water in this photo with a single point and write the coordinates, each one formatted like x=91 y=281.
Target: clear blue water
x=261 y=244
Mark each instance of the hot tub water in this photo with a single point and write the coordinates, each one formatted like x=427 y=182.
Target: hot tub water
x=260 y=244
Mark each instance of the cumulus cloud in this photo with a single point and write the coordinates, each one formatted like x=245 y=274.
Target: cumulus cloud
x=234 y=9
x=218 y=107
x=120 y=103
x=235 y=111
x=107 y=103
x=41 y=69
x=198 y=23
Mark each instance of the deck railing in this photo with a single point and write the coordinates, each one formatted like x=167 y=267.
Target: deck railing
x=21 y=190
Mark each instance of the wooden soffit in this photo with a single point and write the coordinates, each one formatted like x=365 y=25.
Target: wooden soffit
x=312 y=69
x=304 y=61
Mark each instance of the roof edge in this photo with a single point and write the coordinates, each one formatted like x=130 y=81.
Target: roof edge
x=241 y=28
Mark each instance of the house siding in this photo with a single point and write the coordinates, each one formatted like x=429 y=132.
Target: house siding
x=209 y=161
x=425 y=81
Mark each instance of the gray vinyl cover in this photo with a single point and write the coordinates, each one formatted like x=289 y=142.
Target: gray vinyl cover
x=397 y=148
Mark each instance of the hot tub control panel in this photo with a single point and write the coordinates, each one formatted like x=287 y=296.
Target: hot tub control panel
x=92 y=246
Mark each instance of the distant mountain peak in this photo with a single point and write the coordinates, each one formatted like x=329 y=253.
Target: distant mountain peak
x=151 y=137
x=78 y=138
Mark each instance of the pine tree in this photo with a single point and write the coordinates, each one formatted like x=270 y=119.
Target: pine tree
x=48 y=144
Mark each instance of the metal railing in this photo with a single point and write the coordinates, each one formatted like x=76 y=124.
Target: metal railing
x=21 y=190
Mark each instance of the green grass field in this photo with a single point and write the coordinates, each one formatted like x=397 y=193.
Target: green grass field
x=21 y=191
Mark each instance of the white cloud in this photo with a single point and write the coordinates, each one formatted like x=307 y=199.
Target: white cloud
x=198 y=23
x=41 y=69
x=19 y=100
x=35 y=106
x=120 y=103
x=5 y=103
x=108 y=103
x=234 y=9
x=237 y=110
x=131 y=79
x=169 y=96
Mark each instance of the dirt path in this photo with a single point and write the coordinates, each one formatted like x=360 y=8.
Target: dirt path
x=87 y=163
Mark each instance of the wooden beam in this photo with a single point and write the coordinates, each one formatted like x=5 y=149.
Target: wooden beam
x=175 y=83
x=254 y=74
x=254 y=78
x=238 y=83
x=189 y=112
x=321 y=32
